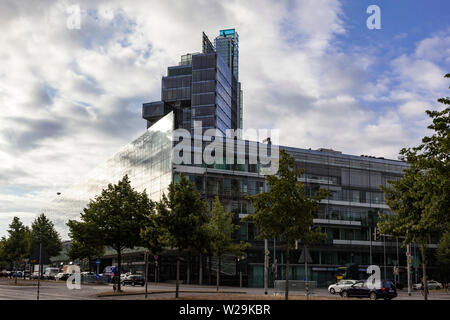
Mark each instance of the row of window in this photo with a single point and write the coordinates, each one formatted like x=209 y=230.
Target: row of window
x=203 y=61
x=176 y=82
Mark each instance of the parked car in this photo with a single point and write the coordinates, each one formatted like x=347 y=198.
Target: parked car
x=134 y=279
x=50 y=273
x=387 y=291
x=62 y=276
x=17 y=274
x=337 y=287
x=432 y=285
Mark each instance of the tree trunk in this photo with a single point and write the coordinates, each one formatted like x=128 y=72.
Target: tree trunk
x=177 y=286
x=188 y=273
x=425 y=284
x=209 y=270
x=15 y=277
x=218 y=273
x=200 y=270
x=286 y=293
x=119 y=268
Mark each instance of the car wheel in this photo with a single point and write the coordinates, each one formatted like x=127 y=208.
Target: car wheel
x=373 y=296
x=332 y=291
x=344 y=294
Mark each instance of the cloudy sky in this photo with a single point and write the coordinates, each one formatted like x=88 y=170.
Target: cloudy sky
x=70 y=98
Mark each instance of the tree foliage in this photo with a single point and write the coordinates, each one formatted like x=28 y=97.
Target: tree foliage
x=433 y=157
x=153 y=232
x=420 y=200
x=285 y=210
x=221 y=228
x=43 y=231
x=86 y=244
x=115 y=217
x=443 y=250
x=17 y=246
x=185 y=216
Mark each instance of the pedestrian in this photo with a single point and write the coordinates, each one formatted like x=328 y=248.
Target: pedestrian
x=114 y=287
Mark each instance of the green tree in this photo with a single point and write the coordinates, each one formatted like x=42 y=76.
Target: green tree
x=115 y=217
x=154 y=237
x=85 y=242
x=185 y=216
x=420 y=200
x=286 y=210
x=17 y=245
x=443 y=250
x=43 y=231
x=221 y=228
x=3 y=262
x=433 y=157
x=405 y=198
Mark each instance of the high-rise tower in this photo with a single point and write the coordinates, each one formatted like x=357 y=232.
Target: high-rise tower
x=227 y=45
x=202 y=87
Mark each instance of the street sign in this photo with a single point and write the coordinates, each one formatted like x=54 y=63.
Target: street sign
x=408 y=254
x=97 y=261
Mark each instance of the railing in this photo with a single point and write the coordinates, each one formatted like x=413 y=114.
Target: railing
x=94 y=279
x=227 y=264
x=294 y=286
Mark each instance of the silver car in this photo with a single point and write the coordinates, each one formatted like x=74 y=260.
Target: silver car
x=337 y=287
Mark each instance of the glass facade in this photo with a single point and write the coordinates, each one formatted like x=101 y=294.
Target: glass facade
x=227 y=46
x=203 y=87
x=147 y=161
x=348 y=216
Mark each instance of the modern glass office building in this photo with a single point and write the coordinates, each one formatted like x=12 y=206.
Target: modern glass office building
x=200 y=88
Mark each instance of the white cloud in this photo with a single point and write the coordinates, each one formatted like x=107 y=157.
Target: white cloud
x=72 y=98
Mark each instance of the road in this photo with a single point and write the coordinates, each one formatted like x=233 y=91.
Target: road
x=50 y=290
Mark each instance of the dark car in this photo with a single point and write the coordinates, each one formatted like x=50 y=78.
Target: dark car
x=387 y=291
x=134 y=280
